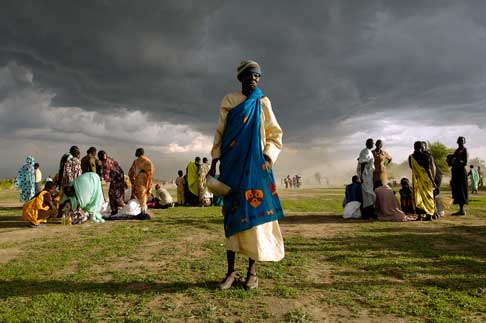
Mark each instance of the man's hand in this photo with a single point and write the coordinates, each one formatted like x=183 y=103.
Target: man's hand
x=268 y=161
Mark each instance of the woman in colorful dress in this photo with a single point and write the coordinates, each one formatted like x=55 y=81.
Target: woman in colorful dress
x=25 y=180
x=41 y=207
x=113 y=173
x=141 y=174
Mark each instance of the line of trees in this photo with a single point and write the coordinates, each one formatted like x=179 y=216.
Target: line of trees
x=439 y=151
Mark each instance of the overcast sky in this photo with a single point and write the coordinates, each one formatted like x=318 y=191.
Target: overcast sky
x=123 y=74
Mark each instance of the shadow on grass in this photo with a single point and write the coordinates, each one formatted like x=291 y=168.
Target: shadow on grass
x=16 y=209
x=21 y=287
x=318 y=218
x=12 y=221
x=449 y=258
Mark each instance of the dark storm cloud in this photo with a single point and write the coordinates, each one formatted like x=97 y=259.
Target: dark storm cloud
x=323 y=61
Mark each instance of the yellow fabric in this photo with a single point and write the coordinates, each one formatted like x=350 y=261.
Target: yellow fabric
x=140 y=175
x=270 y=130
x=193 y=178
x=262 y=243
x=423 y=188
x=30 y=210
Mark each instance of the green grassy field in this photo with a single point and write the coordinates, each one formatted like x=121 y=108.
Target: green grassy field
x=167 y=269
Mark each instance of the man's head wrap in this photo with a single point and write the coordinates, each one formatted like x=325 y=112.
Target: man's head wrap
x=250 y=66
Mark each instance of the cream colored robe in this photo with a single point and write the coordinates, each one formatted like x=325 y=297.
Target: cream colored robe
x=263 y=242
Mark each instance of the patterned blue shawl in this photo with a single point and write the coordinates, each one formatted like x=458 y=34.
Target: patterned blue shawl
x=25 y=180
x=253 y=199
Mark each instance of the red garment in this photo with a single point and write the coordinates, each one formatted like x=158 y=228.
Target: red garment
x=72 y=170
x=107 y=165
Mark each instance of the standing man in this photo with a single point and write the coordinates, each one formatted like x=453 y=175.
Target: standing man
x=38 y=178
x=89 y=162
x=423 y=182
x=480 y=183
x=141 y=175
x=247 y=142
x=192 y=172
x=382 y=158
x=180 y=181
x=458 y=162
x=366 y=168
x=203 y=172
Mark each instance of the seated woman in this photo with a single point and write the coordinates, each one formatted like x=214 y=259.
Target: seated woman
x=387 y=204
x=41 y=207
x=406 y=196
x=86 y=194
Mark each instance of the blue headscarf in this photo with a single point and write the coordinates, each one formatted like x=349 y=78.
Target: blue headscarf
x=25 y=180
x=253 y=199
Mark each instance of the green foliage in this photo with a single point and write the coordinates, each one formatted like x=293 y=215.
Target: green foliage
x=397 y=171
x=6 y=184
x=440 y=151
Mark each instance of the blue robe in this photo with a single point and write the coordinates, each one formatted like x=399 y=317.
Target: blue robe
x=253 y=199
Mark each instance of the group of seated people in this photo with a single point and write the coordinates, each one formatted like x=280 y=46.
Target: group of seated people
x=84 y=200
x=386 y=206
x=76 y=193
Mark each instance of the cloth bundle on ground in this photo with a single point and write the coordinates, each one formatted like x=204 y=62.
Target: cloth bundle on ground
x=352 y=210
x=88 y=195
x=131 y=211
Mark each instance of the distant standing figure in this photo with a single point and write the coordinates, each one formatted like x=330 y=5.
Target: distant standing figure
x=203 y=171
x=366 y=168
x=436 y=172
x=62 y=163
x=289 y=179
x=458 y=162
x=286 y=182
x=141 y=175
x=192 y=172
x=382 y=158
x=423 y=183
x=25 y=180
x=89 y=162
x=38 y=178
x=480 y=183
x=72 y=167
x=474 y=179
x=180 y=181
x=113 y=173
